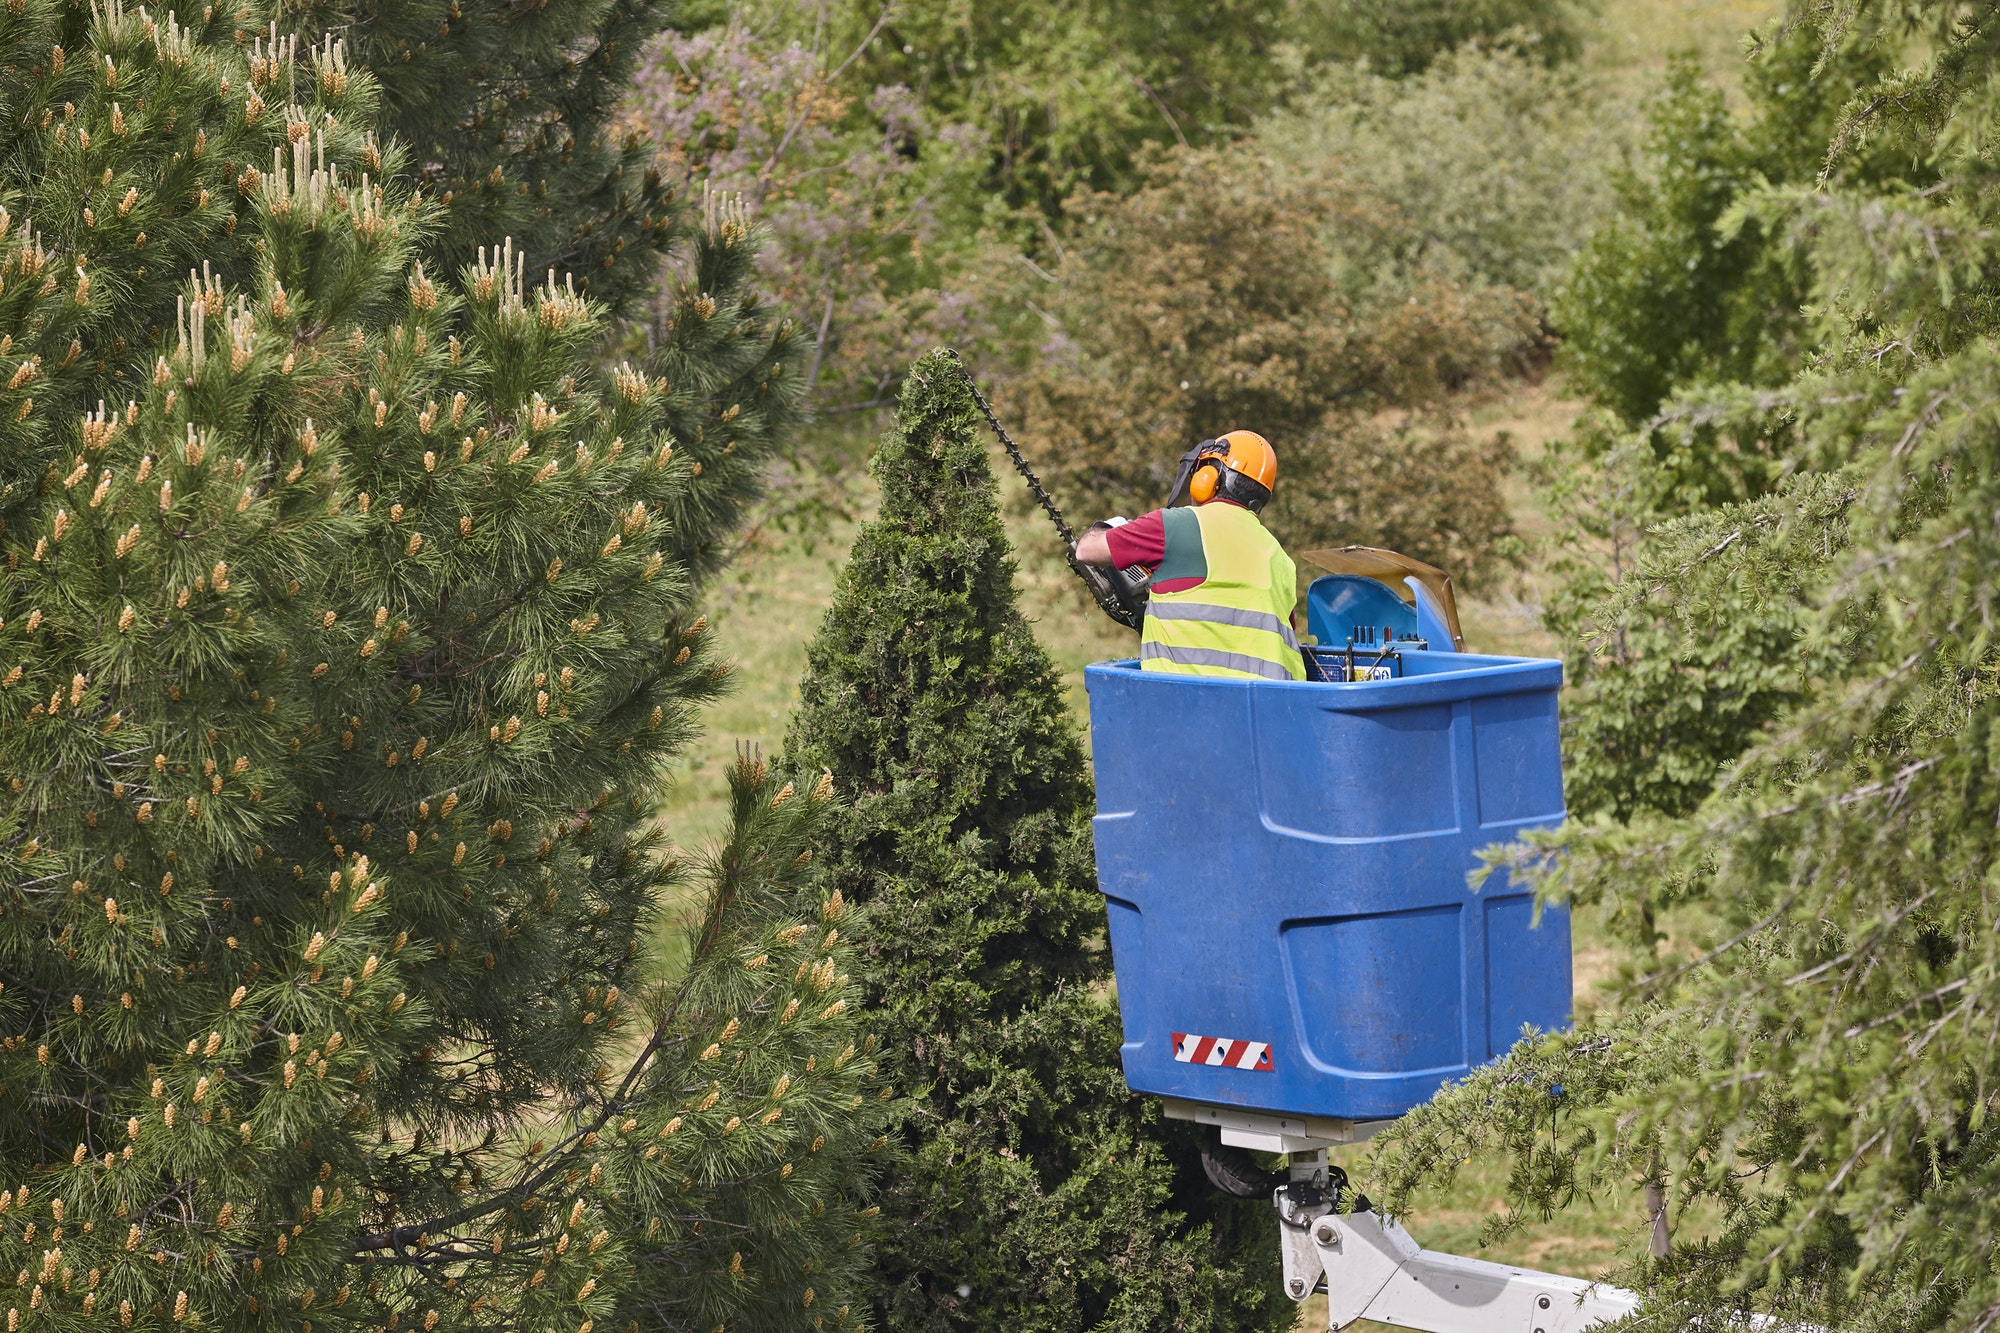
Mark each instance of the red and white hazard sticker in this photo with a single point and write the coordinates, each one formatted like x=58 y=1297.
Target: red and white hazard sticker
x=1223 y=1052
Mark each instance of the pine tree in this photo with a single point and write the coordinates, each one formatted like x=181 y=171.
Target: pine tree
x=1037 y=1192
x=1667 y=294
x=1672 y=670
x=514 y=119
x=346 y=628
x=513 y=111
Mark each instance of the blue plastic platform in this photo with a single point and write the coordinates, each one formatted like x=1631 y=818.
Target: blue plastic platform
x=1285 y=867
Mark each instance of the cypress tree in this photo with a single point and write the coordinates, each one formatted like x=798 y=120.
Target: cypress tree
x=1036 y=1192
x=345 y=627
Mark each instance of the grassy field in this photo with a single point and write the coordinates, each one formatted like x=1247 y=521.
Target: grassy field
x=767 y=606
x=771 y=600
x=1635 y=37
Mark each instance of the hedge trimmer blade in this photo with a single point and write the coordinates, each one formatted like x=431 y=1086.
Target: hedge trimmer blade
x=1120 y=594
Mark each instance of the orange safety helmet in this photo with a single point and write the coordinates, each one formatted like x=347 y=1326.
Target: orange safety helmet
x=1240 y=466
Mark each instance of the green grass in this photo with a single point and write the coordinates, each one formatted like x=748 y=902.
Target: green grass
x=1630 y=40
x=763 y=609
x=769 y=603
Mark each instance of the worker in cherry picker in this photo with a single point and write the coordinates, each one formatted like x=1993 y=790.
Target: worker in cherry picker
x=1222 y=592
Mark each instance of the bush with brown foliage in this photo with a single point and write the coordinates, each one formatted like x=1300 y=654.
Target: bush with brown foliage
x=1229 y=293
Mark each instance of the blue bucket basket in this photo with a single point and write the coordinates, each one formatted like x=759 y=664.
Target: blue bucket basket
x=1285 y=867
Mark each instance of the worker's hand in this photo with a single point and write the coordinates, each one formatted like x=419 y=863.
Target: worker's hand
x=1094 y=548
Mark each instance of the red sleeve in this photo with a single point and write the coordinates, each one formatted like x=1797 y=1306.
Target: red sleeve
x=1141 y=542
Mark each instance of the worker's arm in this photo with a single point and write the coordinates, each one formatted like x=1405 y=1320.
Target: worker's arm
x=1118 y=541
x=1094 y=548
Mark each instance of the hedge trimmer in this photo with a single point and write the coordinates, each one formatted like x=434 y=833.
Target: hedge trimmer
x=1120 y=593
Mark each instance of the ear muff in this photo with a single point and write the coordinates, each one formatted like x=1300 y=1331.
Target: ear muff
x=1207 y=477
x=1203 y=474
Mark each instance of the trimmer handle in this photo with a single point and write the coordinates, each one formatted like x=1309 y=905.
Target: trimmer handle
x=1120 y=592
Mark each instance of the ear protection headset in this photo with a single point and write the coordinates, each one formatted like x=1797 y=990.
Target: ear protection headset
x=1208 y=476
x=1216 y=469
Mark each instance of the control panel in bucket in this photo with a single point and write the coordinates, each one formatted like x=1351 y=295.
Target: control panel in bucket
x=1285 y=869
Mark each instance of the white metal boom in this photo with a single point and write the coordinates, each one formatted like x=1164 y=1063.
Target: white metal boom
x=1373 y=1270
x=1371 y=1267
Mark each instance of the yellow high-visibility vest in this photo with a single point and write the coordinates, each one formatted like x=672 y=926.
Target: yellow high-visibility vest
x=1238 y=620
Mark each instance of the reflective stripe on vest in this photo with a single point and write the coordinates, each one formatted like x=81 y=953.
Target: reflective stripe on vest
x=1150 y=653
x=1229 y=615
x=1237 y=621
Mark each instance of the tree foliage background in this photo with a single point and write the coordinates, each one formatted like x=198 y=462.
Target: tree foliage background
x=987 y=178
x=1228 y=289
x=1821 y=1077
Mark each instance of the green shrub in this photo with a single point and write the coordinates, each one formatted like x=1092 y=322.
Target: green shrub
x=1405 y=36
x=1678 y=286
x=1231 y=292
x=1037 y=1193
x=1512 y=217
x=1068 y=94
x=1659 y=297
